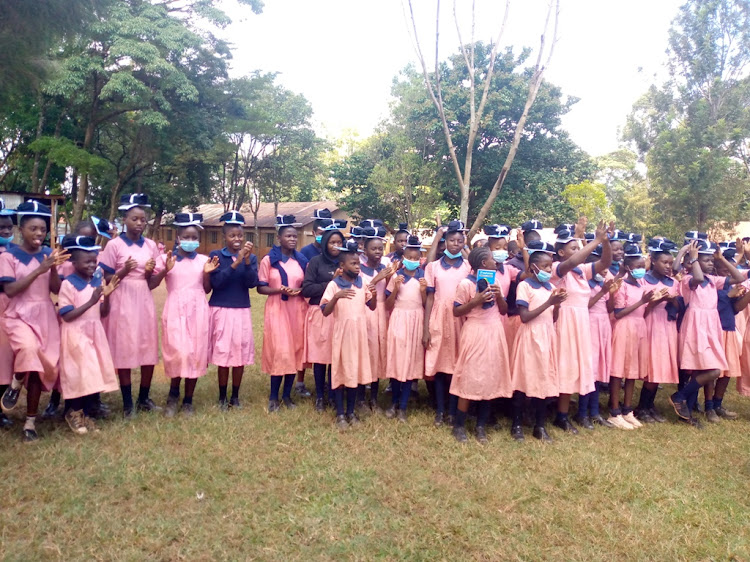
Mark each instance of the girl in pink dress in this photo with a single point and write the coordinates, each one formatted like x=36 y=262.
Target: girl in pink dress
x=6 y=352
x=280 y=278
x=700 y=342
x=232 y=345
x=534 y=354
x=406 y=296
x=86 y=367
x=347 y=298
x=186 y=316
x=482 y=368
x=28 y=273
x=375 y=275
x=629 y=339
x=441 y=328
x=661 y=325
x=131 y=326
x=319 y=329
x=575 y=371
x=497 y=241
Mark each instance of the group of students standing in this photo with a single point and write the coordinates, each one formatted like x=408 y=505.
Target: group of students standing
x=590 y=312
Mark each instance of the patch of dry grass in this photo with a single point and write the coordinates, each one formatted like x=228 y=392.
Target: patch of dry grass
x=248 y=485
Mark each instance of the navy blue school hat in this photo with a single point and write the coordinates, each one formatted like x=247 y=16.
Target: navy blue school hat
x=350 y=246
x=102 y=226
x=403 y=227
x=5 y=212
x=706 y=247
x=378 y=232
x=356 y=232
x=337 y=224
x=414 y=242
x=371 y=223
x=656 y=245
x=633 y=251
x=635 y=238
x=322 y=214
x=597 y=251
x=539 y=246
x=286 y=220
x=691 y=235
x=589 y=236
x=565 y=233
x=456 y=226
x=232 y=217
x=618 y=236
x=33 y=208
x=130 y=200
x=728 y=250
x=85 y=243
x=188 y=219
x=497 y=231
x=534 y=225
x=325 y=224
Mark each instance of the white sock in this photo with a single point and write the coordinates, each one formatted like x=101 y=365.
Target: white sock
x=16 y=384
x=30 y=423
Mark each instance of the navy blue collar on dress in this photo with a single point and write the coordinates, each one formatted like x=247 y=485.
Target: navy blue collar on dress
x=344 y=284
x=20 y=254
x=536 y=284
x=188 y=255
x=418 y=274
x=226 y=253
x=80 y=283
x=457 y=264
x=594 y=283
x=371 y=271
x=140 y=242
x=651 y=279
x=633 y=282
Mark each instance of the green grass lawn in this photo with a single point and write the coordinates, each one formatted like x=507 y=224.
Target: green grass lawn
x=249 y=485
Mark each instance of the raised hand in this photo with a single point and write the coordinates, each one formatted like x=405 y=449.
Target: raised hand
x=693 y=249
x=169 y=262
x=53 y=260
x=580 y=231
x=129 y=266
x=247 y=250
x=108 y=288
x=616 y=284
x=601 y=232
x=150 y=266
x=647 y=296
x=211 y=265
x=737 y=291
x=97 y=294
x=497 y=290
x=607 y=285
x=338 y=273
x=558 y=296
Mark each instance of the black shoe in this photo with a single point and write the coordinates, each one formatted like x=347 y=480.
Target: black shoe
x=680 y=407
x=644 y=416
x=353 y=419
x=361 y=406
x=341 y=422
x=712 y=416
x=450 y=420
x=565 y=425
x=320 y=405
x=540 y=433
x=401 y=416
x=481 y=435
x=599 y=420
x=234 y=403
x=516 y=432
x=50 y=411
x=30 y=435
x=288 y=403
x=273 y=406
x=9 y=399
x=98 y=411
x=171 y=408
x=460 y=434
x=390 y=413
x=693 y=422
x=585 y=422
x=723 y=413
x=223 y=404
x=375 y=408
x=302 y=391
x=656 y=415
x=128 y=413
x=147 y=405
x=187 y=410
x=438 y=419
x=5 y=422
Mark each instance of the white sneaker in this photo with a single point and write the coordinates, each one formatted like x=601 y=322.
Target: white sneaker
x=619 y=422
x=632 y=420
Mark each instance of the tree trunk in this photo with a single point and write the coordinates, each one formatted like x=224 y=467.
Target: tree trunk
x=83 y=187
x=37 y=154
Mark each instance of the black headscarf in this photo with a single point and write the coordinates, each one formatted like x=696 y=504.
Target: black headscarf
x=325 y=256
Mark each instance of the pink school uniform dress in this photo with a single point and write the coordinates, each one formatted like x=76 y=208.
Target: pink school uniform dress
x=6 y=352
x=318 y=328
x=442 y=280
x=405 y=360
x=185 y=319
x=131 y=326
x=350 y=356
x=742 y=321
x=377 y=324
x=29 y=320
x=574 y=368
x=661 y=325
x=629 y=338
x=534 y=355
x=701 y=335
x=601 y=334
x=284 y=317
x=85 y=360
x=482 y=369
x=506 y=274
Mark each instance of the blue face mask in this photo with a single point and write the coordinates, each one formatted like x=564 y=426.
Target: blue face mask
x=5 y=241
x=189 y=245
x=318 y=239
x=543 y=276
x=410 y=265
x=500 y=255
x=452 y=256
x=638 y=273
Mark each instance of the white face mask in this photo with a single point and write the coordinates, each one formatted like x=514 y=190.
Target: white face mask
x=500 y=255
x=598 y=278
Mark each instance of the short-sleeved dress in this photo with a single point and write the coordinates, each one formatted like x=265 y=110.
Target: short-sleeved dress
x=535 y=345
x=131 y=326
x=85 y=360
x=377 y=323
x=318 y=328
x=350 y=356
x=185 y=319
x=661 y=324
x=6 y=352
x=483 y=368
x=601 y=334
x=730 y=340
x=283 y=320
x=743 y=328
x=29 y=319
x=574 y=368
x=701 y=338
x=630 y=337
x=405 y=360
x=442 y=281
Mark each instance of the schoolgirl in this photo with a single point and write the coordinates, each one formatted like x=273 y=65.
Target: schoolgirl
x=575 y=371
x=86 y=367
x=534 y=354
x=400 y=239
x=406 y=296
x=322 y=221
x=28 y=273
x=441 y=328
x=482 y=371
x=498 y=236
x=280 y=278
x=231 y=327
x=347 y=298
x=617 y=241
x=318 y=328
x=131 y=325
x=186 y=317
x=6 y=353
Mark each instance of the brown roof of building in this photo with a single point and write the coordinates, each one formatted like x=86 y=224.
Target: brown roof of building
x=303 y=211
